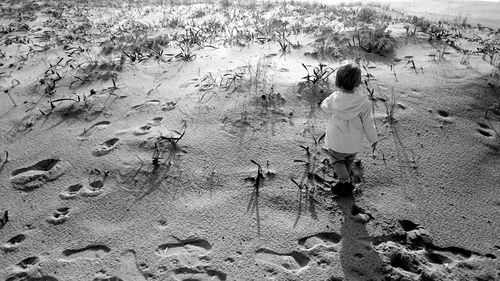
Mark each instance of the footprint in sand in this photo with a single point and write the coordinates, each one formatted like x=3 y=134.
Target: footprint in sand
x=130 y=268
x=43 y=278
x=27 y=269
x=142 y=130
x=13 y=243
x=484 y=130
x=420 y=259
x=28 y=262
x=71 y=192
x=146 y=129
x=360 y=215
x=434 y=263
x=35 y=176
x=485 y=133
x=415 y=234
x=96 y=127
x=191 y=252
x=146 y=104
x=327 y=239
x=444 y=115
x=293 y=261
x=59 y=216
x=483 y=125
x=199 y=274
x=105 y=147
x=106 y=277
x=95 y=188
x=161 y=224
x=169 y=105
x=91 y=252
x=193 y=255
x=155 y=121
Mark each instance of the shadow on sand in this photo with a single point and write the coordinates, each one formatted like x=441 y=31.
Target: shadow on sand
x=358 y=258
x=253 y=206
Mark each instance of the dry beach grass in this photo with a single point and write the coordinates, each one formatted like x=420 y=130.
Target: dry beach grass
x=182 y=140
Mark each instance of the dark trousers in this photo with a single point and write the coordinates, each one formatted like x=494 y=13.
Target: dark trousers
x=342 y=164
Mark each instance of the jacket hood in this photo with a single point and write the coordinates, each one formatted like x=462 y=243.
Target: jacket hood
x=348 y=105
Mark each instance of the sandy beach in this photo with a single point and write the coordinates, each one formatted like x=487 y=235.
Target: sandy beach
x=183 y=140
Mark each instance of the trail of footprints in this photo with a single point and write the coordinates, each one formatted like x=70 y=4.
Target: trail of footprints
x=483 y=128
x=409 y=258
x=190 y=259
x=109 y=145
x=95 y=188
x=28 y=268
x=35 y=176
x=298 y=260
x=193 y=255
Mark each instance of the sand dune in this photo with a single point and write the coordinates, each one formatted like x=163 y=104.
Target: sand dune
x=172 y=140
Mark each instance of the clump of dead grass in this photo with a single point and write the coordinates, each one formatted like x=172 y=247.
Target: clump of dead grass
x=97 y=69
x=375 y=38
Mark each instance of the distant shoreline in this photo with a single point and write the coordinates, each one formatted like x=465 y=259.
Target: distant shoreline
x=473 y=12
x=484 y=12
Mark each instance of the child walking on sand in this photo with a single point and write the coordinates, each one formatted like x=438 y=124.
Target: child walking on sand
x=350 y=117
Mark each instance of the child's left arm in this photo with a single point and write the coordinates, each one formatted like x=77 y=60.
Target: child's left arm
x=326 y=105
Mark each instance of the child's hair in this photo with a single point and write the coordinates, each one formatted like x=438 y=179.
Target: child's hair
x=348 y=77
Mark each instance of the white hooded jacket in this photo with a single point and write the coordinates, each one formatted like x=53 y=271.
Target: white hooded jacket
x=350 y=118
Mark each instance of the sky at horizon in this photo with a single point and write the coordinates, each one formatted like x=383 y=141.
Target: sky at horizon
x=399 y=1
